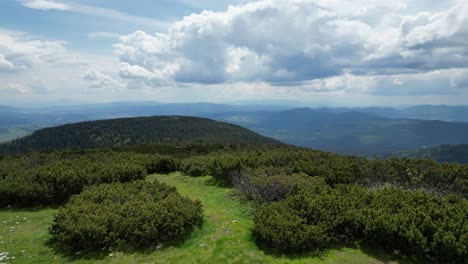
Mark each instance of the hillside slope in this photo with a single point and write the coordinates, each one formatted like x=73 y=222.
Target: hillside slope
x=444 y=153
x=135 y=131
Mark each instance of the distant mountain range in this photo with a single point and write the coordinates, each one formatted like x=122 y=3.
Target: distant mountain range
x=135 y=131
x=424 y=112
x=70 y=114
x=363 y=131
x=348 y=132
x=444 y=153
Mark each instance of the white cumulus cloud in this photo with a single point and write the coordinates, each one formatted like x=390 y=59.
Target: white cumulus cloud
x=295 y=42
x=45 y=5
x=99 y=79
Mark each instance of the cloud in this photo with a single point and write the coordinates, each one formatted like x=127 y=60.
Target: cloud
x=99 y=80
x=45 y=5
x=5 y=64
x=41 y=69
x=20 y=52
x=91 y=10
x=283 y=42
x=13 y=88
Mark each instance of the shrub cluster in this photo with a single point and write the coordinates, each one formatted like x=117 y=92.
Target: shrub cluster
x=335 y=169
x=265 y=185
x=42 y=179
x=137 y=214
x=162 y=164
x=416 y=223
x=195 y=166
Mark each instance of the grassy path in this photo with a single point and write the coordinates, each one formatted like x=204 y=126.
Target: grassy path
x=224 y=238
x=226 y=234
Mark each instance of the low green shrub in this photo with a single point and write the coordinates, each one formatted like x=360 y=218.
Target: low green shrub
x=418 y=224
x=51 y=179
x=196 y=166
x=163 y=165
x=137 y=214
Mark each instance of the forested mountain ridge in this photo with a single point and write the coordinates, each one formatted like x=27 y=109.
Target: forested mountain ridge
x=348 y=132
x=363 y=131
x=443 y=153
x=452 y=113
x=135 y=131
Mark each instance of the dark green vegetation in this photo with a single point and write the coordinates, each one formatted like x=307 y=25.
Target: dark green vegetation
x=348 y=132
x=42 y=179
x=135 y=131
x=418 y=224
x=334 y=169
x=137 y=214
x=444 y=153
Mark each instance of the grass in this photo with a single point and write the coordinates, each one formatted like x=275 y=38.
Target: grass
x=224 y=238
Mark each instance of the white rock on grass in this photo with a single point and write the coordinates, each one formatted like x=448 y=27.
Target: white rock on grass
x=4 y=256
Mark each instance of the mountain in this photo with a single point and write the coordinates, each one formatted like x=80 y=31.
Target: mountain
x=76 y=113
x=366 y=131
x=444 y=153
x=348 y=131
x=16 y=122
x=424 y=112
x=135 y=131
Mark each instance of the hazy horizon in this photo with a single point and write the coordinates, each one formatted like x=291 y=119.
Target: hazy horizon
x=289 y=104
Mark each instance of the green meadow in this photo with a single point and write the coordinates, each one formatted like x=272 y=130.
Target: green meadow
x=225 y=236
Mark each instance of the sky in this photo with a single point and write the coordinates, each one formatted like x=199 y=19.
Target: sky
x=317 y=52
